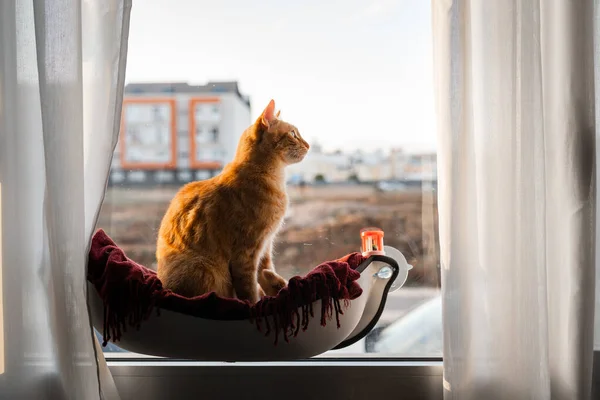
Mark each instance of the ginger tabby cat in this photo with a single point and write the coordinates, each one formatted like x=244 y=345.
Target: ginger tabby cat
x=217 y=234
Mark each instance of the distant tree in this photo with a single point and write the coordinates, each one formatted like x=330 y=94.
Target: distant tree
x=320 y=178
x=353 y=178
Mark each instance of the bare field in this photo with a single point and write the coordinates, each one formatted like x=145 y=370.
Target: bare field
x=323 y=223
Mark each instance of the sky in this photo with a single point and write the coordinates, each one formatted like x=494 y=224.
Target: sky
x=348 y=73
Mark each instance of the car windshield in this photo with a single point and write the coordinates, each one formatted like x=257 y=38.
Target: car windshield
x=418 y=333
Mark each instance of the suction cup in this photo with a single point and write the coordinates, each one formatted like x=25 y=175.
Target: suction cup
x=403 y=265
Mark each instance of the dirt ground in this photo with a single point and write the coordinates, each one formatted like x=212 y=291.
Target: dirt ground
x=323 y=223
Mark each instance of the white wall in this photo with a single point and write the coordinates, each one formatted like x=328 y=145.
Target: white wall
x=238 y=119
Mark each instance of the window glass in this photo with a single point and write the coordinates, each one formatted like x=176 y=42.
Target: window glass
x=355 y=77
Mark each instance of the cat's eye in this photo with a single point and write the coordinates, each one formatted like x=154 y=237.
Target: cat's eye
x=293 y=133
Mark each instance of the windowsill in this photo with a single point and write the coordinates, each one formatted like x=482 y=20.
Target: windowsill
x=323 y=378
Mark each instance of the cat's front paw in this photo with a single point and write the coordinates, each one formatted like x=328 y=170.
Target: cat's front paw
x=272 y=282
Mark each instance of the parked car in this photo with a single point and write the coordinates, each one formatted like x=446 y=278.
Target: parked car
x=416 y=334
x=390 y=186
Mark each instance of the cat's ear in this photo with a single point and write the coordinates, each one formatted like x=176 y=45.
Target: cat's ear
x=277 y=115
x=268 y=115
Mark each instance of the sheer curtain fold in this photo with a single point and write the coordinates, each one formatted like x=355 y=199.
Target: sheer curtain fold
x=517 y=193
x=61 y=81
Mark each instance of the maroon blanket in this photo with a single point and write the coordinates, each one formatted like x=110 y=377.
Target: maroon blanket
x=131 y=292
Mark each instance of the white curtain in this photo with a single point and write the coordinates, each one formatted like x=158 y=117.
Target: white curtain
x=62 y=65
x=517 y=187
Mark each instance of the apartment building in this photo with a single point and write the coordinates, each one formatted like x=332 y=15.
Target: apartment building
x=177 y=133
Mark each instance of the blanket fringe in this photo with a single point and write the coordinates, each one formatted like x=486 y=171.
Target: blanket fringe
x=287 y=316
x=292 y=311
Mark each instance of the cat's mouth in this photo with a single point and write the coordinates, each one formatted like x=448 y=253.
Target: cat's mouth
x=296 y=156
